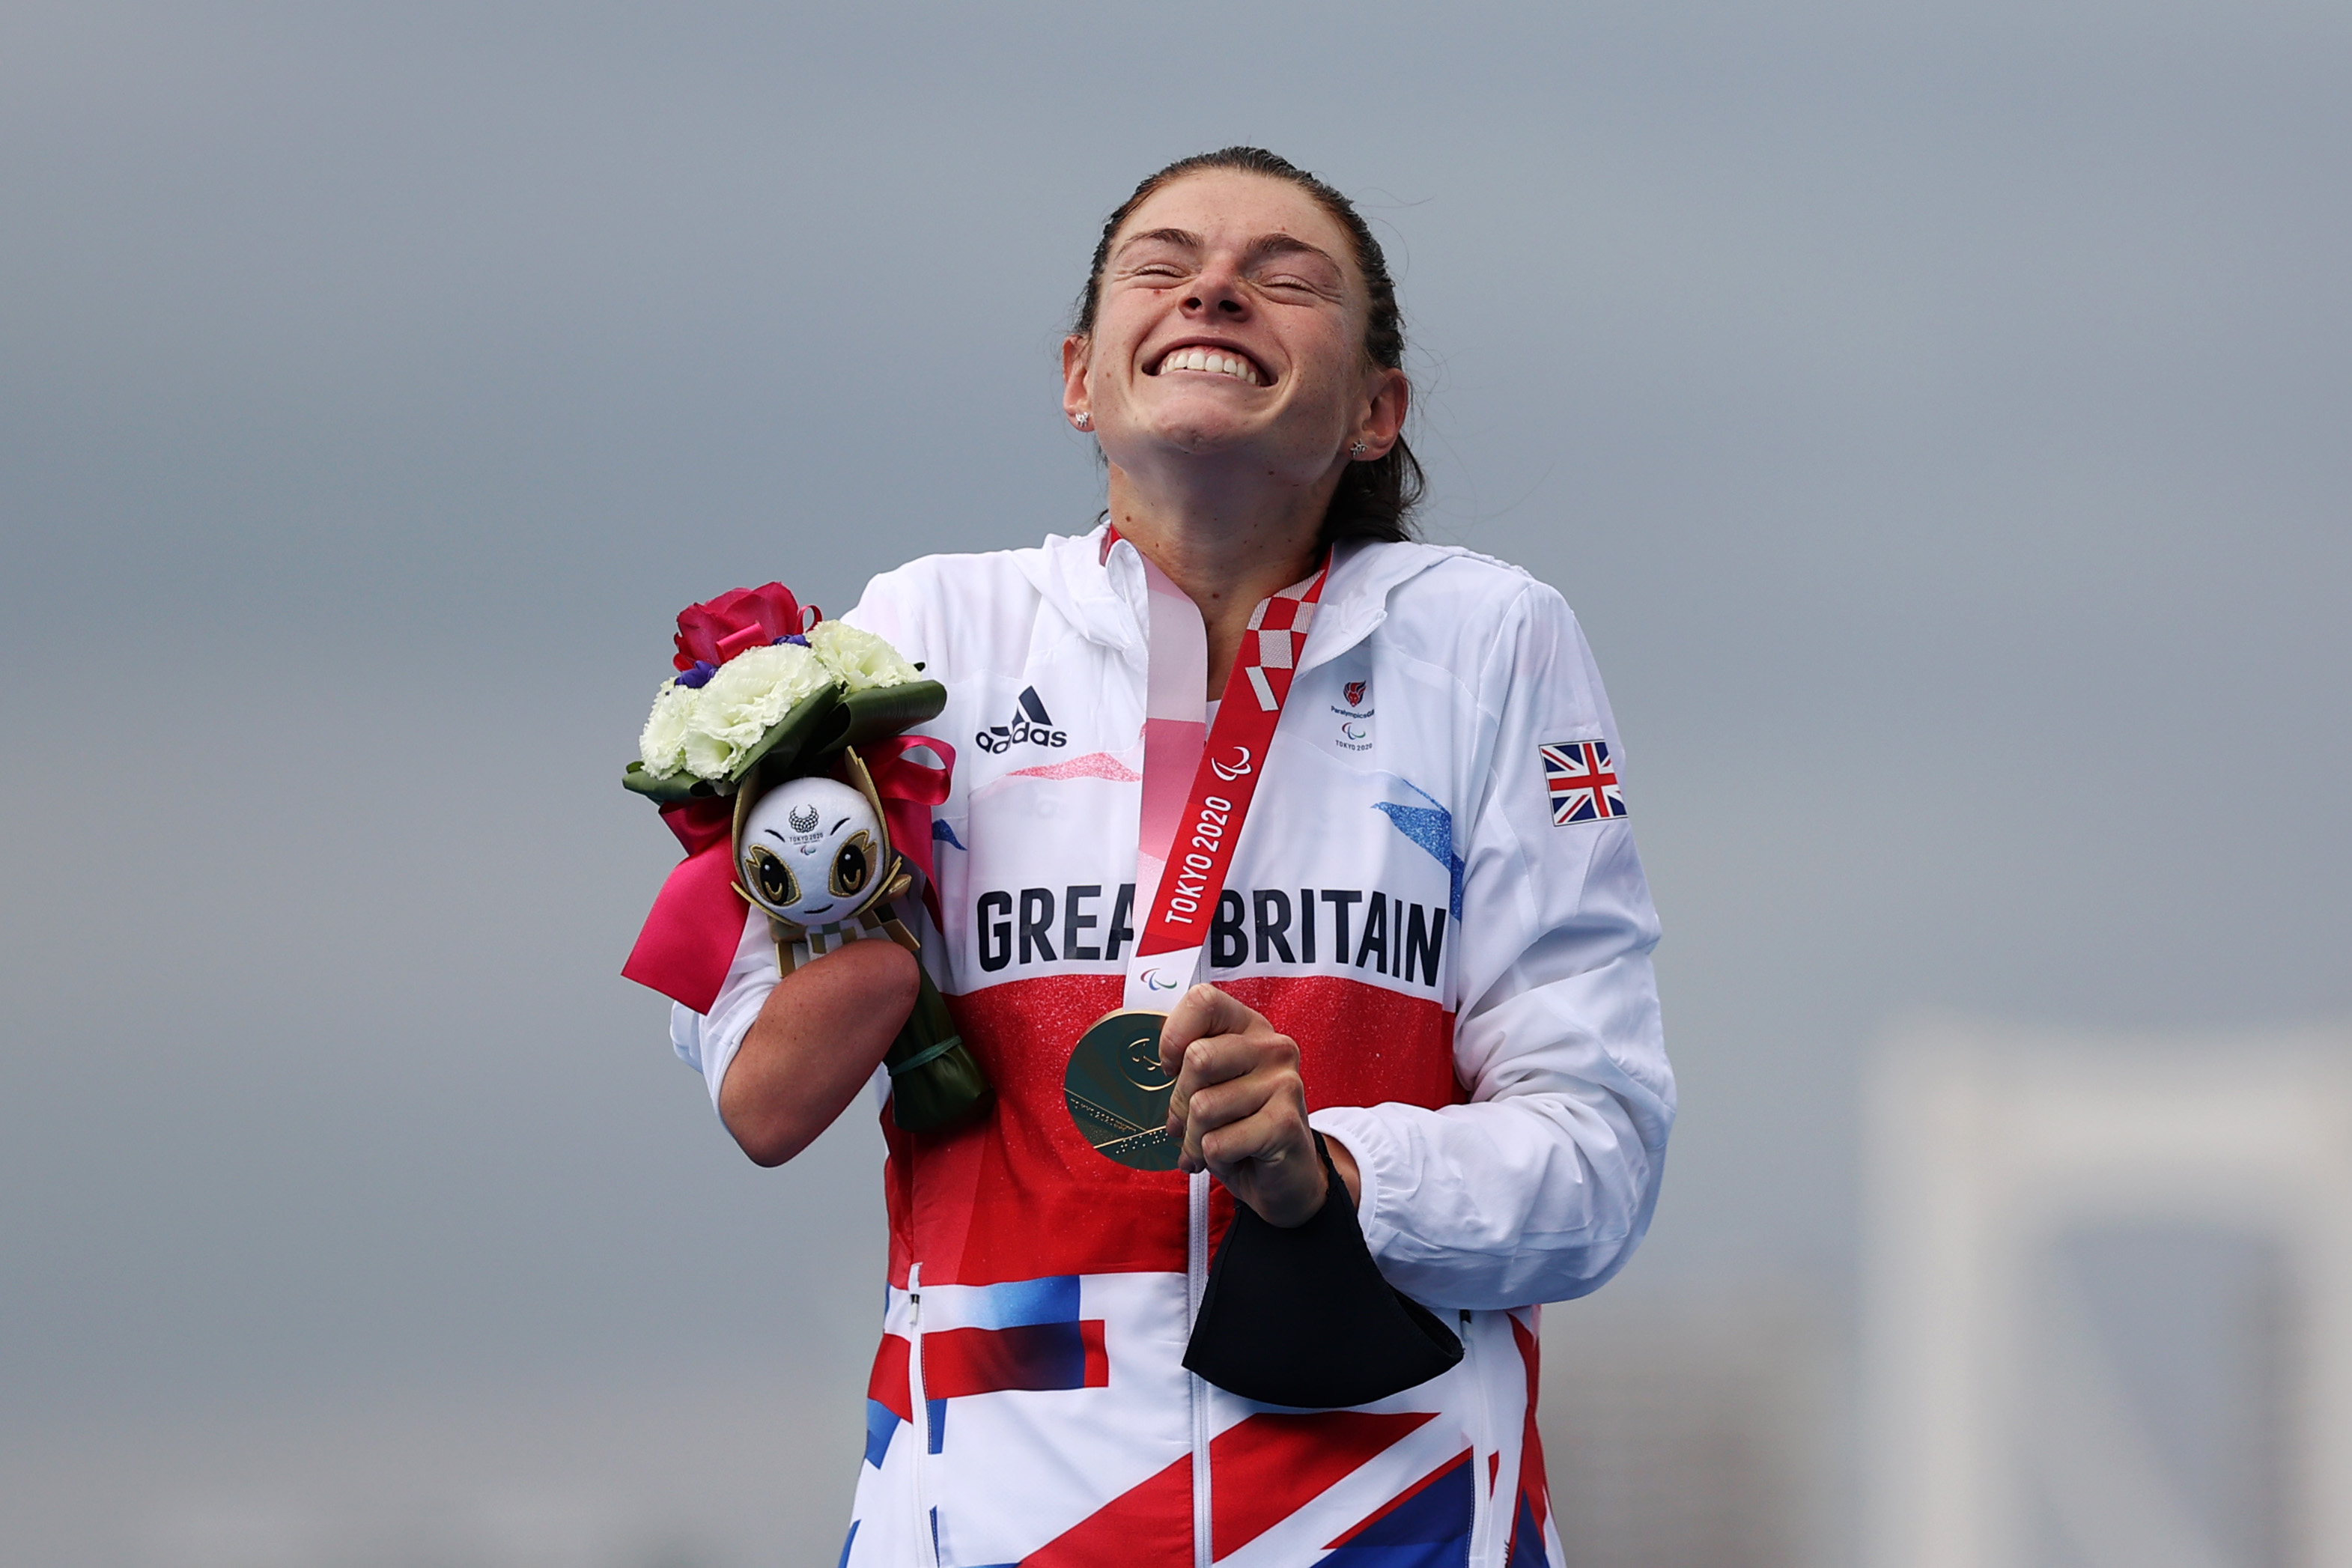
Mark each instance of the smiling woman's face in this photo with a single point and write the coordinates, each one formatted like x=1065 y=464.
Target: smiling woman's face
x=1231 y=321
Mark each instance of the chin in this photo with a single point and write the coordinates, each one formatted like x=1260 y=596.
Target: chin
x=1197 y=441
x=1201 y=431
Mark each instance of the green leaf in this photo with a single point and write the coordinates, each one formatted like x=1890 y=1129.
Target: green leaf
x=679 y=785
x=892 y=711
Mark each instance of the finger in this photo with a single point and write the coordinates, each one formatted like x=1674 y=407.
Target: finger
x=1221 y=1058
x=1221 y=1105
x=1215 y=1058
x=1269 y=1136
x=1273 y=1084
x=1204 y=1011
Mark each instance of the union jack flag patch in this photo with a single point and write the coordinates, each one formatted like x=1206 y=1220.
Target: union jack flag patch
x=1582 y=784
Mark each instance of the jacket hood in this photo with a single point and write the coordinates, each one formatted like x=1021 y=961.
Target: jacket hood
x=1103 y=598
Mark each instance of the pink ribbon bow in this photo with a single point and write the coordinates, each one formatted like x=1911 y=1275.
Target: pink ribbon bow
x=908 y=790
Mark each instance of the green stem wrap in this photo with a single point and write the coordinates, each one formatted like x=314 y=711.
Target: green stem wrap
x=933 y=1079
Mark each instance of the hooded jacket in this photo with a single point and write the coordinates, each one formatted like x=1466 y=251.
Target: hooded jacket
x=1436 y=895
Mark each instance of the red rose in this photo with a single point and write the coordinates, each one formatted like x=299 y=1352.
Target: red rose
x=715 y=632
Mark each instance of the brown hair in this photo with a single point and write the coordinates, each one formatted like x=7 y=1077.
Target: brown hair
x=1375 y=499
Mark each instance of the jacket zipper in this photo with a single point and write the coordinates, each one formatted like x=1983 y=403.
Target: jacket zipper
x=928 y=1547
x=1482 y=1450
x=1196 y=1285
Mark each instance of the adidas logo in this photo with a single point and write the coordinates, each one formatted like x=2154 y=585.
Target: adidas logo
x=1030 y=725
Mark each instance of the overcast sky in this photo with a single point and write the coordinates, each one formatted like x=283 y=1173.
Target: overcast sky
x=1938 y=416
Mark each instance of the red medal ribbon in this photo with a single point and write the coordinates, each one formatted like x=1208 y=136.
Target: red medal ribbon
x=1233 y=761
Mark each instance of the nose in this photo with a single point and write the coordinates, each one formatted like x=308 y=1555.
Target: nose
x=1217 y=291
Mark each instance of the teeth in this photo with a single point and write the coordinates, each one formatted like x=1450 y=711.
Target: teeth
x=1216 y=364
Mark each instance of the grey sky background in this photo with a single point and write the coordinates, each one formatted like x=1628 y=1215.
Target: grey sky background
x=1939 y=416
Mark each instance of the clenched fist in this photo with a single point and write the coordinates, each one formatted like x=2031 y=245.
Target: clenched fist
x=1239 y=1107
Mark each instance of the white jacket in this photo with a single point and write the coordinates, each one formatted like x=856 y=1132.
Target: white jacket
x=1435 y=895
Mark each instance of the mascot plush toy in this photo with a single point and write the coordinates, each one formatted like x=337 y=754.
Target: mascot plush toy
x=779 y=757
x=798 y=866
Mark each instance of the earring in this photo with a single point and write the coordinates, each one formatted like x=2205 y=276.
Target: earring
x=1084 y=419
x=1356 y=450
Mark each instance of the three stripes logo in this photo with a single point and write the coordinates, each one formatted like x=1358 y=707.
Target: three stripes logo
x=1030 y=725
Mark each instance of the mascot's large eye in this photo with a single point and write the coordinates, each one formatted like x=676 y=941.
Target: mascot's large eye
x=852 y=865
x=773 y=879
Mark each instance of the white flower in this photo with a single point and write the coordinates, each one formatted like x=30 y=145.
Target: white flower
x=750 y=692
x=858 y=658
x=662 y=743
x=707 y=757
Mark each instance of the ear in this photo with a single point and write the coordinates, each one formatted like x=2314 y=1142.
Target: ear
x=1389 y=396
x=1077 y=358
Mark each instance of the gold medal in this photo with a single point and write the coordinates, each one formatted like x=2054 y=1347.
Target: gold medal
x=1117 y=1094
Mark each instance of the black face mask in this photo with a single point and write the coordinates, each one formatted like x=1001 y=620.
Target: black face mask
x=1302 y=1317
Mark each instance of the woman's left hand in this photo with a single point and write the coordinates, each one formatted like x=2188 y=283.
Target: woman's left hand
x=1240 y=1107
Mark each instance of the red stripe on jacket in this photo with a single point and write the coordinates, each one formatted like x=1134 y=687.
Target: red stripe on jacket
x=1020 y=1195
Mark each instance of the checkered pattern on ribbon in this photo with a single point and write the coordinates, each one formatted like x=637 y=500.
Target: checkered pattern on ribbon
x=1277 y=629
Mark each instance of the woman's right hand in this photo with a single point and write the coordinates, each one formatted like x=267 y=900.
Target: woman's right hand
x=816 y=1042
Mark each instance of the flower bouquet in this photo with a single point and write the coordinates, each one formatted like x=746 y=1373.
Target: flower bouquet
x=778 y=755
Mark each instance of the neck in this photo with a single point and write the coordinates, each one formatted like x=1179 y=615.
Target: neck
x=1226 y=548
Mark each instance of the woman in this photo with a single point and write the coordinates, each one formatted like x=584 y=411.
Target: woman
x=1431 y=945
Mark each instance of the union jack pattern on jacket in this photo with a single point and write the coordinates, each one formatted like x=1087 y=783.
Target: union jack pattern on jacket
x=1470 y=987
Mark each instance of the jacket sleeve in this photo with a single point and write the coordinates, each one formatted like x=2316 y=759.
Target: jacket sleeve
x=1539 y=1188
x=707 y=1042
